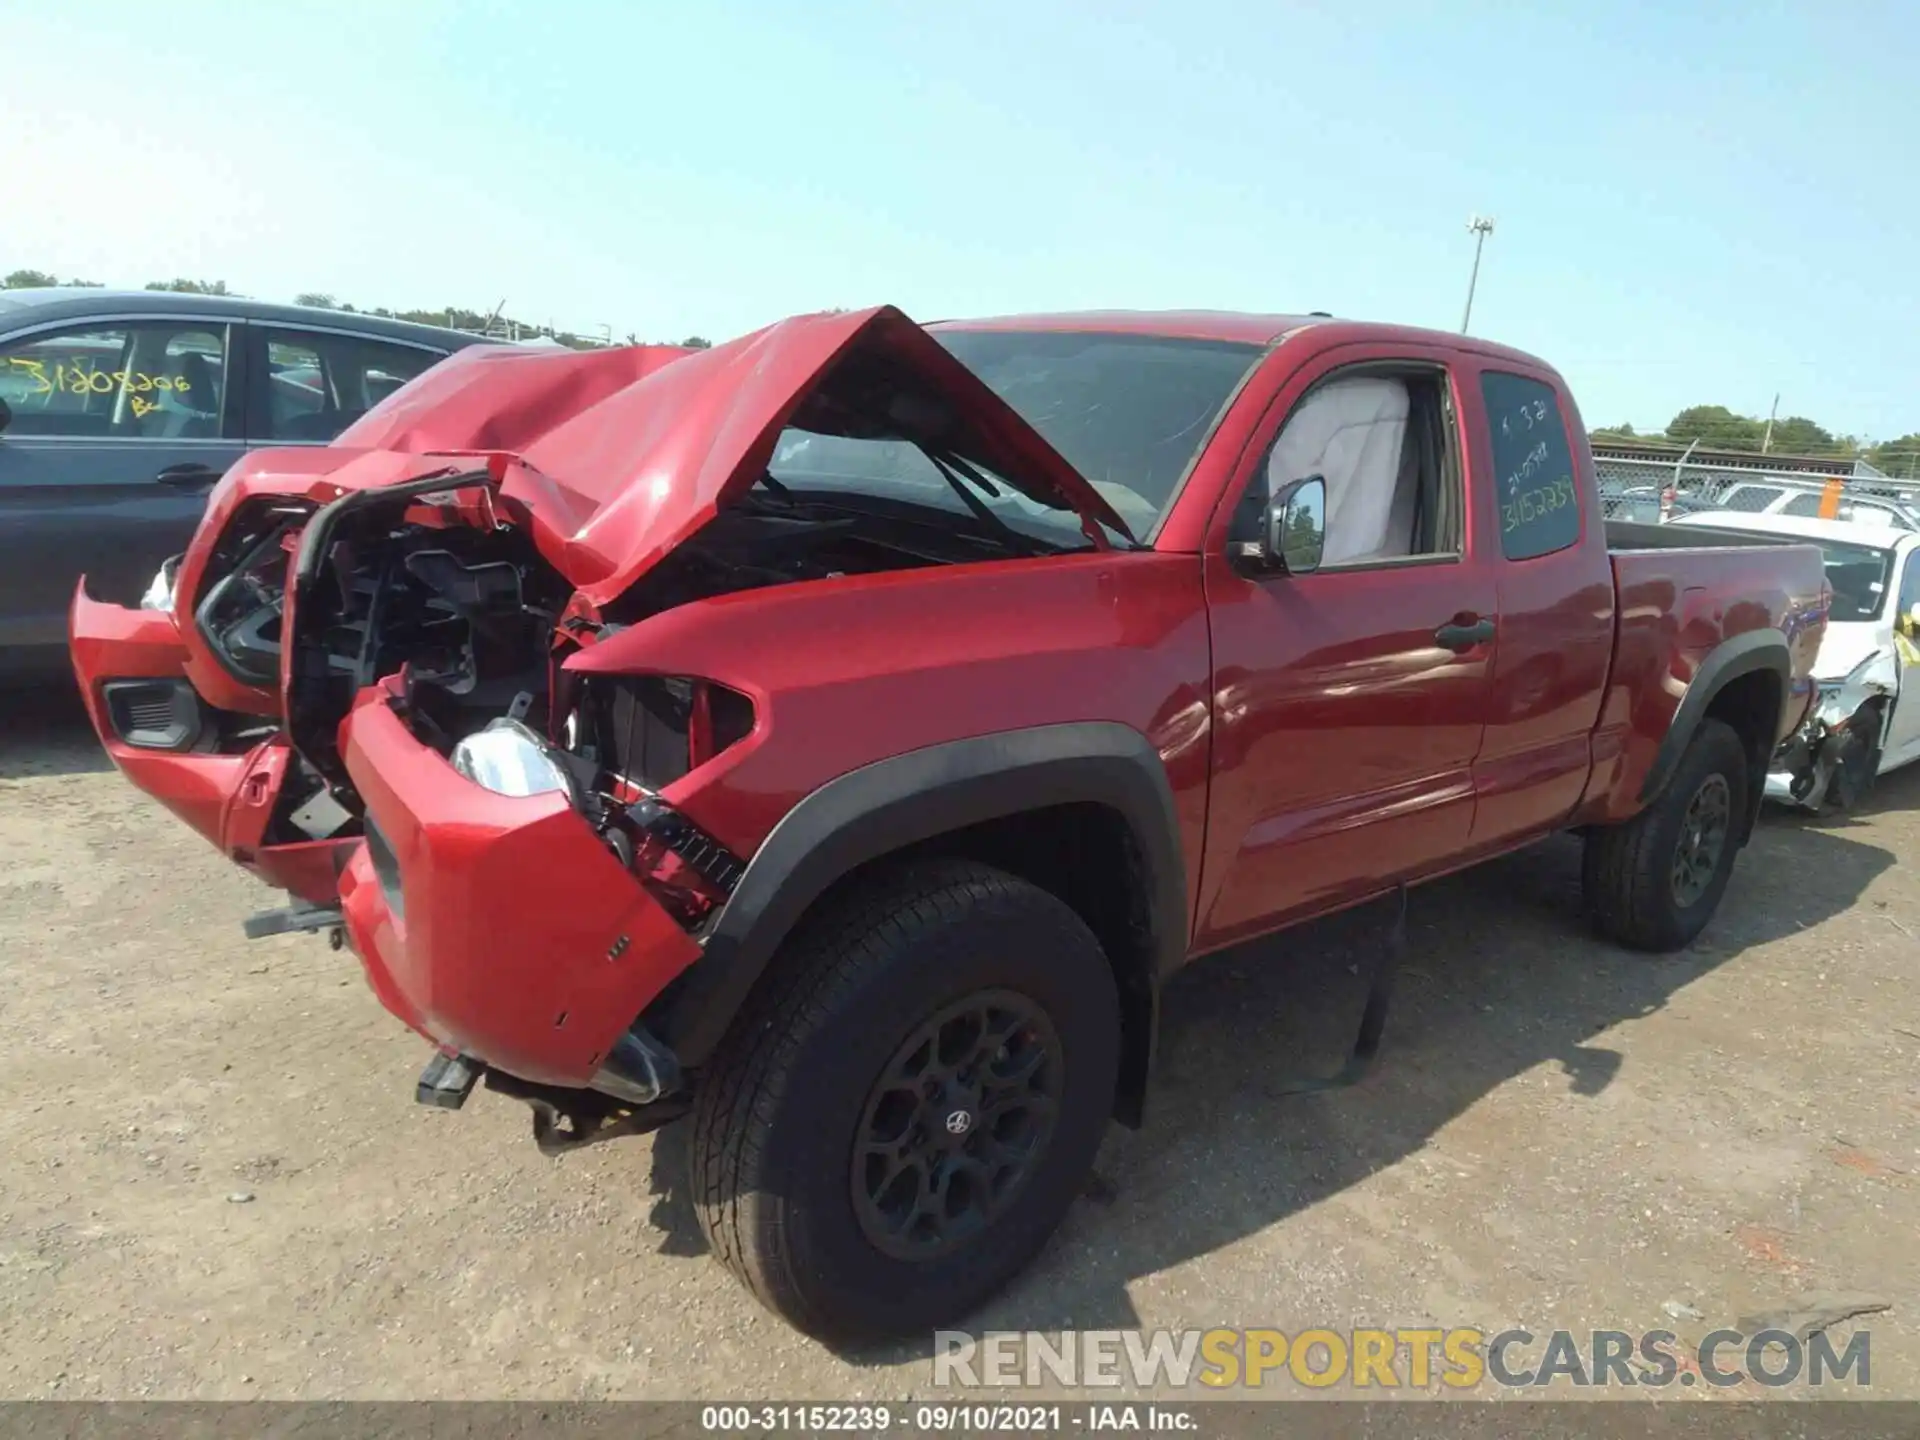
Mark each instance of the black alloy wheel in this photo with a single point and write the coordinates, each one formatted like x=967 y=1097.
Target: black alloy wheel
x=955 y=1123
x=1704 y=829
x=906 y=1108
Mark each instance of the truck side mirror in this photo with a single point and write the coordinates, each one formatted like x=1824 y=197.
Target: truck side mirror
x=1910 y=622
x=1297 y=526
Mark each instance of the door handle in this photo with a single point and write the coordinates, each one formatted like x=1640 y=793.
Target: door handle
x=1463 y=634
x=191 y=476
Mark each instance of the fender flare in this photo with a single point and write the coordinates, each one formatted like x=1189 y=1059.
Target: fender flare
x=884 y=807
x=1743 y=654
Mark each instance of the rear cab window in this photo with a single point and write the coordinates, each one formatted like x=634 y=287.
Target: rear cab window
x=1539 y=508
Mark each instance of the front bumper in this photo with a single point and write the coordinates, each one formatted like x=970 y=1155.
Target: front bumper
x=499 y=927
x=1806 y=770
x=228 y=798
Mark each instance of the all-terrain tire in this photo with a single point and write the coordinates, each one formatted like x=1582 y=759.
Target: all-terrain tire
x=789 y=1105
x=1630 y=879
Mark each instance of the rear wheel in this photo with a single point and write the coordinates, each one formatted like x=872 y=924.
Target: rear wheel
x=908 y=1107
x=1654 y=882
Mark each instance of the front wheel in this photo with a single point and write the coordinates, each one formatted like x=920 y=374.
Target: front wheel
x=1654 y=882
x=907 y=1108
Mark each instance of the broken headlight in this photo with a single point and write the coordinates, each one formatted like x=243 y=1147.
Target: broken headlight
x=509 y=759
x=1839 y=699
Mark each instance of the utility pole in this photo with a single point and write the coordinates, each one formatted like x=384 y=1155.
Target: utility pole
x=1481 y=226
x=1766 y=440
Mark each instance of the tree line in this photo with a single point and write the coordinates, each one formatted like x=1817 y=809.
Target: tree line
x=1715 y=427
x=449 y=317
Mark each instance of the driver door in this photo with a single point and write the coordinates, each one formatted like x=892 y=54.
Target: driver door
x=1349 y=703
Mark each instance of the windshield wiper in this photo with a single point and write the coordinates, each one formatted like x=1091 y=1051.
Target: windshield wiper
x=774 y=487
x=967 y=468
x=952 y=467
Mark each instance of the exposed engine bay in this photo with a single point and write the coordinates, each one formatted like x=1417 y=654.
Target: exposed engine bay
x=845 y=446
x=428 y=581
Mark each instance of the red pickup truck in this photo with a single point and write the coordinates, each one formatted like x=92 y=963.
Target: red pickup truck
x=842 y=733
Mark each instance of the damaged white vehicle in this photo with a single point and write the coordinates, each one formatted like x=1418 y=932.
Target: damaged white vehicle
x=1867 y=719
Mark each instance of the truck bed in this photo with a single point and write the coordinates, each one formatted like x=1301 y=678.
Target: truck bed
x=1683 y=590
x=1627 y=535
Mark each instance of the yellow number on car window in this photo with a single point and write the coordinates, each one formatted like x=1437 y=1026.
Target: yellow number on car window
x=38 y=370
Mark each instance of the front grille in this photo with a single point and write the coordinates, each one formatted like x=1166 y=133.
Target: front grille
x=239 y=606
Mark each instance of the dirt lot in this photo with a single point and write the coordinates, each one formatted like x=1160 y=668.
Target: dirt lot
x=217 y=1185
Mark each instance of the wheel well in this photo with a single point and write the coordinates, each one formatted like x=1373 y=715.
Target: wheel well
x=1750 y=704
x=1085 y=854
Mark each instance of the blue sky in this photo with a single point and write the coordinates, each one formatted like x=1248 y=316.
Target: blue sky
x=1696 y=202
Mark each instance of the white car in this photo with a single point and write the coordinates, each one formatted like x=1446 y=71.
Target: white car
x=1867 y=720
x=1772 y=497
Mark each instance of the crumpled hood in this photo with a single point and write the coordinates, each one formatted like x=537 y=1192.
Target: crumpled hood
x=483 y=401
x=633 y=476
x=613 y=458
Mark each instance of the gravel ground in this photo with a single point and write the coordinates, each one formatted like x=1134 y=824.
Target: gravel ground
x=217 y=1185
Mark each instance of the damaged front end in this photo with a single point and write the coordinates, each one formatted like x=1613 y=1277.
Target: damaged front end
x=523 y=891
x=410 y=641
x=1830 y=761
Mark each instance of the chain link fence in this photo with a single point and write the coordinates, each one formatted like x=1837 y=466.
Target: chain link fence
x=1650 y=490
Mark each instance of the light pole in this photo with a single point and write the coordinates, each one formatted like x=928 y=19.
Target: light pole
x=1481 y=226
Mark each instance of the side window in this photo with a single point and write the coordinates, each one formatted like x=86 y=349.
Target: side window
x=1868 y=514
x=296 y=388
x=1813 y=503
x=1750 y=499
x=1909 y=585
x=133 y=380
x=1532 y=466
x=320 y=383
x=1382 y=441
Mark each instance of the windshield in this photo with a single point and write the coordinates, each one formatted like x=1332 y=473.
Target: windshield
x=1859 y=575
x=1129 y=412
